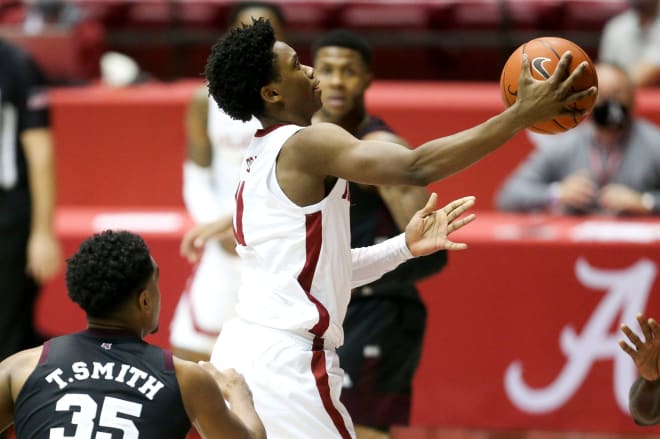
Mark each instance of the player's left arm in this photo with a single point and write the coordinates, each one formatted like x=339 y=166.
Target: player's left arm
x=402 y=202
x=427 y=232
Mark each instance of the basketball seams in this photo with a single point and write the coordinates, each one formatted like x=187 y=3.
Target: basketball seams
x=548 y=48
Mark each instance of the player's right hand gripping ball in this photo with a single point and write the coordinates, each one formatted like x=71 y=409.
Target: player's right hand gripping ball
x=544 y=54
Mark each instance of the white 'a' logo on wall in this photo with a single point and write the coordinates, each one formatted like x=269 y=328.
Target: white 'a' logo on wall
x=626 y=294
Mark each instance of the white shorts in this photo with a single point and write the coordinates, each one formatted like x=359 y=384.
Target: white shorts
x=295 y=389
x=208 y=300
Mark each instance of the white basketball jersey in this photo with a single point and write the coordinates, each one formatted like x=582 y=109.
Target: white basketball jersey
x=229 y=139
x=296 y=261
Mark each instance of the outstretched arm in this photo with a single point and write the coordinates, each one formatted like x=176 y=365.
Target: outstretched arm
x=645 y=392
x=427 y=232
x=326 y=150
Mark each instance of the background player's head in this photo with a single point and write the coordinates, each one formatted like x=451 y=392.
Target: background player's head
x=250 y=73
x=342 y=62
x=645 y=8
x=616 y=98
x=244 y=12
x=113 y=277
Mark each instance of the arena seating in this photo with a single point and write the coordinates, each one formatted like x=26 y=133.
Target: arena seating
x=443 y=39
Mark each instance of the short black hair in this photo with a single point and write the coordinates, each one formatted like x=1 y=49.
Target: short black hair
x=239 y=7
x=346 y=39
x=107 y=270
x=240 y=64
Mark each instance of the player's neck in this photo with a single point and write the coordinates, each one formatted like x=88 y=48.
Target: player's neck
x=284 y=118
x=111 y=324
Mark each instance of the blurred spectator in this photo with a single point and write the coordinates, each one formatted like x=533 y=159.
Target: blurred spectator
x=632 y=40
x=610 y=163
x=42 y=13
x=216 y=144
x=120 y=70
x=29 y=250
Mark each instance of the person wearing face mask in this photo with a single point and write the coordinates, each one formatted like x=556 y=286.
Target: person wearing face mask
x=609 y=164
x=632 y=39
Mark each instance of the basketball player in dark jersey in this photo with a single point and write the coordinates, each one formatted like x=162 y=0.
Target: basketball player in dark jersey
x=385 y=322
x=106 y=381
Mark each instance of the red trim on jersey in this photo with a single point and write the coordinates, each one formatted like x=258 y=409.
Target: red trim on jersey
x=262 y=132
x=168 y=359
x=321 y=377
x=238 y=221
x=44 y=352
x=313 y=241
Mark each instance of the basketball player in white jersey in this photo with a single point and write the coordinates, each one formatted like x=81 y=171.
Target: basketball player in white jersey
x=216 y=144
x=292 y=226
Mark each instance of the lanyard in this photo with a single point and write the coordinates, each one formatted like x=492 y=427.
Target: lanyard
x=604 y=165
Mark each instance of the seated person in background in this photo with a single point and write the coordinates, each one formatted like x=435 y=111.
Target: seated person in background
x=632 y=39
x=610 y=163
x=40 y=14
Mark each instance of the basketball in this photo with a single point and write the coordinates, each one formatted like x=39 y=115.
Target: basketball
x=544 y=54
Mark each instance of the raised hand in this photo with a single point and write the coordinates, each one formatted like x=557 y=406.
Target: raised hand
x=429 y=229
x=645 y=353
x=541 y=100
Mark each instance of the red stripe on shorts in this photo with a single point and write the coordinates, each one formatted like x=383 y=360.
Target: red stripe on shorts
x=321 y=376
x=313 y=242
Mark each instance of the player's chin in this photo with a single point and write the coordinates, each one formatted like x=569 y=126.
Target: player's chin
x=155 y=330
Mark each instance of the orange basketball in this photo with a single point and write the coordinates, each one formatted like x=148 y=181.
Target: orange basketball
x=544 y=54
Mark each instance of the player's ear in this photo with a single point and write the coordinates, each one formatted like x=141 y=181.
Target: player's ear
x=270 y=94
x=144 y=300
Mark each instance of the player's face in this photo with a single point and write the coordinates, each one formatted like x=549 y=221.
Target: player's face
x=297 y=87
x=344 y=78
